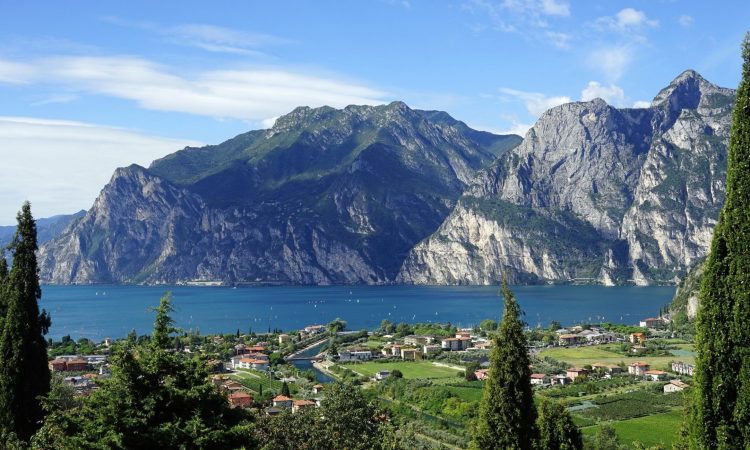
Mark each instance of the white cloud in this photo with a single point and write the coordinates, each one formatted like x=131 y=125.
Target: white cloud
x=611 y=61
x=612 y=94
x=250 y=93
x=641 y=104
x=13 y=72
x=268 y=123
x=517 y=128
x=528 y=18
x=207 y=37
x=536 y=103
x=685 y=20
x=56 y=98
x=60 y=166
x=627 y=20
x=219 y=39
x=555 y=8
x=559 y=40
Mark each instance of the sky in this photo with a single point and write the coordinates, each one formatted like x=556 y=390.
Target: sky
x=89 y=86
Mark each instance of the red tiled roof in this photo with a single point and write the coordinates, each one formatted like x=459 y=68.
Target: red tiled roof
x=538 y=376
x=240 y=395
x=303 y=403
x=281 y=398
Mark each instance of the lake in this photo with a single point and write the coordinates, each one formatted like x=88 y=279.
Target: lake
x=99 y=311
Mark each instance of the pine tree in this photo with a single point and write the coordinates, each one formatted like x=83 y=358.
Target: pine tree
x=507 y=414
x=556 y=428
x=721 y=408
x=24 y=374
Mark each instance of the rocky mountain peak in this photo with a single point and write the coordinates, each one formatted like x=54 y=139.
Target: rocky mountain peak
x=684 y=92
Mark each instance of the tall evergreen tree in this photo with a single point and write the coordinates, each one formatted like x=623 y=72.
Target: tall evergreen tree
x=24 y=374
x=721 y=408
x=507 y=414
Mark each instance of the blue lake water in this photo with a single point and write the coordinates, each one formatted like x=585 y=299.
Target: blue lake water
x=112 y=311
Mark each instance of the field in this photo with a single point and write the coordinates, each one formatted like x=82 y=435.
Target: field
x=580 y=356
x=650 y=430
x=253 y=379
x=410 y=369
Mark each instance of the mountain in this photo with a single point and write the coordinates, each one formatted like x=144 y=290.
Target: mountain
x=324 y=196
x=593 y=194
x=46 y=228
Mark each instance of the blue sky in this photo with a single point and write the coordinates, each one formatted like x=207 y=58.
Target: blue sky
x=89 y=86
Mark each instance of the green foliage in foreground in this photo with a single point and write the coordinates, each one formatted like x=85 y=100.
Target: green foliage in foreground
x=721 y=409
x=156 y=398
x=24 y=375
x=556 y=428
x=507 y=414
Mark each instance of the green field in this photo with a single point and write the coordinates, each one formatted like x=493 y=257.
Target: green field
x=580 y=356
x=253 y=378
x=650 y=430
x=410 y=369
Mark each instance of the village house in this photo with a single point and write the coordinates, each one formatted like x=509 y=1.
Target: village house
x=638 y=368
x=57 y=365
x=653 y=322
x=281 y=401
x=410 y=354
x=382 y=375
x=396 y=350
x=255 y=364
x=240 y=399
x=284 y=338
x=637 y=338
x=455 y=344
x=481 y=374
x=317 y=389
x=298 y=405
x=683 y=368
x=569 y=339
x=575 y=372
x=656 y=375
x=675 y=386
x=417 y=341
x=560 y=379
x=484 y=345
x=355 y=355
x=463 y=335
x=539 y=379
x=240 y=349
x=314 y=329
x=431 y=349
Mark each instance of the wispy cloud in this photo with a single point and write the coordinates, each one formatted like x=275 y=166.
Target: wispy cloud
x=612 y=94
x=250 y=93
x=627 y=20
x=528 y=18
x=611 y=61
x=536 y=103
x=207 y=37
x=641 y=104
x=56 y=98
x=685 y=20
x=60 y=166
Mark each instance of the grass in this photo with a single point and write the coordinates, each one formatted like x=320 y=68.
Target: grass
x=580 y=356
x=650 y=430
x=410 y=369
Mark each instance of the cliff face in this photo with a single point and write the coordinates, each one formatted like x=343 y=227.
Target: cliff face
x=325 y=196
x=594 y=194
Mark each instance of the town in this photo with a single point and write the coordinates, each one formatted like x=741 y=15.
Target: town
x=432 y=374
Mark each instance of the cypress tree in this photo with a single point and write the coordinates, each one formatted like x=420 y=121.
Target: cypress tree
x=721 y=403
x=24 y=374
x=507 y=414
